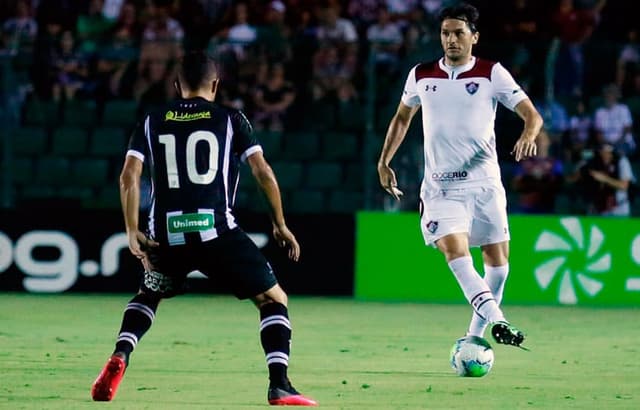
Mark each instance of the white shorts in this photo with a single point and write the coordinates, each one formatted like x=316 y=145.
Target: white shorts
x=479 y=212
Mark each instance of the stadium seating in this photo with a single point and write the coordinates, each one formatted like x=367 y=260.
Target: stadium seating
x=339 y=145
x=89 y=172
x=323 y=175
x=41 y=113
x=120 y=113
x=271 y=142
x=307 y=201
x=345 y=201
x=108 y=142
x=29 y=140
x=51 y=170
x=288 y=173
x=79 y=113
x=69 y=141
x=301 y=145
x=21 y=170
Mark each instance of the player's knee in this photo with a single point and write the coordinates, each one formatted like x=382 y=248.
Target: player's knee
x=150 y=299
x=273 y=295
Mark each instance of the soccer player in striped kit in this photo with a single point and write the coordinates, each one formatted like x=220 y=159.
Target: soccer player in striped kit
x=463 y=202
x=194 y=148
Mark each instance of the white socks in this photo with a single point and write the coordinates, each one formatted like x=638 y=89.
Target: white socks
x=495 y=277
x=476 y=289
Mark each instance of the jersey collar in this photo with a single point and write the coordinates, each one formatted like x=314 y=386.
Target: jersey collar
x=454 y=72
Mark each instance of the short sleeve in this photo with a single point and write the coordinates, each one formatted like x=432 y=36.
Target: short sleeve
x=138 y=141
x=625 y=172
x=627 y=120
x=410 y=95
x=245 y=142
x=505 y=88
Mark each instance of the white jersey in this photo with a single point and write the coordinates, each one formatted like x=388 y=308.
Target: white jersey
x=458 y=114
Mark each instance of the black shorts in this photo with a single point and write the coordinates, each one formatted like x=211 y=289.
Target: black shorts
x=231 y=259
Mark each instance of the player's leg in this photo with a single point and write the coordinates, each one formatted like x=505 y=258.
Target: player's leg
x=446 y=222
x=275 y=336
x=490 y=231
x=136 y=321
x=496 y=270
x=251 y=276
x=455 y=248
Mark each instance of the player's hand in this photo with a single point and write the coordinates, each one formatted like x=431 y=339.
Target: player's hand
x=138 y=245
x=285 y=238
x=525 y=147
x=388 y=181
x=598 y=175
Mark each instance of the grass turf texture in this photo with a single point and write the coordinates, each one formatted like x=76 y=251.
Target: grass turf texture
x=203 y=352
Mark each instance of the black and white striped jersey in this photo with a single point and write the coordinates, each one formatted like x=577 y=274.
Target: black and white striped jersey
x=193 y=149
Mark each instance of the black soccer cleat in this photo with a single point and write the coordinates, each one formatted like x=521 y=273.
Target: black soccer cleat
x=506 y=334
x=288 y=396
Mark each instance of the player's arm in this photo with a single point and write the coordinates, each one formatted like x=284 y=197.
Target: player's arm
x=130 y=202
x=526 y=144
x=268 y=183
x=396 y=132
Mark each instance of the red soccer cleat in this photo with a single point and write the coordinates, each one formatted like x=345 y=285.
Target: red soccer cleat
x=281 y=397
x=106 y=385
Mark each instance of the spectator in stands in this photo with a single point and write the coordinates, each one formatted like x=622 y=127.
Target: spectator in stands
x=92 y=27
x=386 y=40
x=72 y=69
x=574 y=27
x=605 y=180
x=154 y=86
x=556 y=118
x=274 y=36
x=364 y=13
x=538 y=180
x=580 y=135
x=112 y=9
x=161 y=46
x=336 y=30
x=241 y=35
x=19 y=32
x=613 y=122
x=115 y=65
x=349 y=108
x=628 y=65
x=44 y=72
x=521 y=30
x=273 y=99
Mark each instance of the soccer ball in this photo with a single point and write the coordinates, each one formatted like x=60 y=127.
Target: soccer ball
x=471 y=356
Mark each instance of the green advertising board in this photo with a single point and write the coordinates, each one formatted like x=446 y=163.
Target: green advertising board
x=565 y=260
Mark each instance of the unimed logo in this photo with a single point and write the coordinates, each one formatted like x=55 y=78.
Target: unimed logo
x=61 y=273
x=576 y=257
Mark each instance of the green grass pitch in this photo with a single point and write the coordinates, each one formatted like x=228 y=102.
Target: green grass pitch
x=203 y=352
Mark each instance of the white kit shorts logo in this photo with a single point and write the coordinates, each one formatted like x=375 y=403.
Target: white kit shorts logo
x=575 y=260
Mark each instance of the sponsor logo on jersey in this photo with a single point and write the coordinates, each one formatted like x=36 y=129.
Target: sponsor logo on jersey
x=450 y=176
x=186 y=116
x=472 y=87
x=432 y=226
x=190 y=223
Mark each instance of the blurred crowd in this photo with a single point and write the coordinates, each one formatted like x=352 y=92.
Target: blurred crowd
x=296 y=64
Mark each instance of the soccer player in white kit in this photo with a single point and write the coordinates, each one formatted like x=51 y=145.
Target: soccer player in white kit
x=463 y=202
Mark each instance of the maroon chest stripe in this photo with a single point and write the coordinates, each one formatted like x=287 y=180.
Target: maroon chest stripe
x=430 y=70
x=482 y=68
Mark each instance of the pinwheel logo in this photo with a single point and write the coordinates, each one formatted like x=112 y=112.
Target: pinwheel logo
x=575 y=264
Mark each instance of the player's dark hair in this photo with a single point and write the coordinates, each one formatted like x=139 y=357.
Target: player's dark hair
x=463 y=11
x=197 y=69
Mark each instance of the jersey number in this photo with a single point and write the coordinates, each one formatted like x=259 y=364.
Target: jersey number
x=169 y=142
